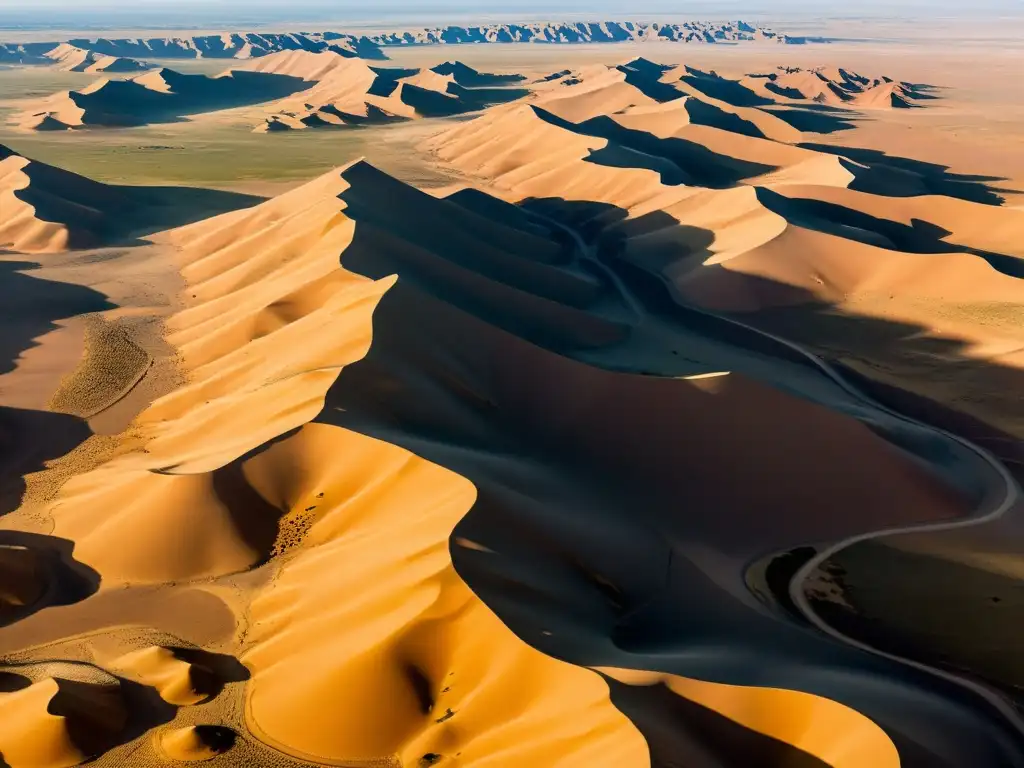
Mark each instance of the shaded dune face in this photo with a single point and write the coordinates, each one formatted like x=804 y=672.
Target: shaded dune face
x=765 y=240
x=459 y=684
x=160 y=96
x=304 y=89
x=50 y=210
x=460 y=404
x=59 y=722
x=427 y=687
x=476 y=485
x=350 y=92
x=784 y=226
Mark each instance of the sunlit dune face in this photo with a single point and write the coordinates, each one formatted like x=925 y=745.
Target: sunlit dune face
x=475 y=477
x=835 y=734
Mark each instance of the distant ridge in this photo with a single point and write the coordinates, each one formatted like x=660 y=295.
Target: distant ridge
x=253 y=45
x=584 y=32
x=226 y=46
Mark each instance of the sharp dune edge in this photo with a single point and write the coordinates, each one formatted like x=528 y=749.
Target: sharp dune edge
x=47 y=209
x=444 y=645
x=69 y=58
x=325 y=89
x=445 y=485
x=304 y=89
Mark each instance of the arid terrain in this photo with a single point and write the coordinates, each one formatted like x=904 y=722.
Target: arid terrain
x=639 y=396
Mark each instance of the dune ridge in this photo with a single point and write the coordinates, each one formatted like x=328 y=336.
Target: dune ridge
x=305 y=90
x=69 y=58
x=271 y=319
x=461 y=477
x=59 y=723
x=351 y=92
x=819 y=229
x=50 y=210
x=239 y=341
x=47 y=209
x=157 y=96
x=326 y=88
x=838 y=86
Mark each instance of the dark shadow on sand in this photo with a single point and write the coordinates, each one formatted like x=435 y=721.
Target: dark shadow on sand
x=427 y=349
x=919 y=237
x=127 y=103
x=680 y=732
x=723 y=89
x=697 y=164
x=59 y=577
x=29 y=308
x=813 y=119
x=905 y=177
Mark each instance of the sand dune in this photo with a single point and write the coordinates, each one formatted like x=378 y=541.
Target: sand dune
x=57 y=723
x=177 y=681
x=49 y=209
x=26 y=53
x=837 y=86
x=280 y=296
x=351 y=92
x=329 y=88
x=68 y=58
x=807 y=232
x=485 y=296
x=193 y=744
x=872 y=238
x=460 y=477
x=307 y=89
x=159 y=96
x=694 y=128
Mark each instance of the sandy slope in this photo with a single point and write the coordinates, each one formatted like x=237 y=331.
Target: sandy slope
x=272 y=319
x=158 y=96
x=835 y=232
x=443 y=485
x=837 y=86
x=49 y=209
x=353 y=92
x=69 y=58
x=305 y=89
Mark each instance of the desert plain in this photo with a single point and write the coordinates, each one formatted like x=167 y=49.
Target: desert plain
x=635 y=396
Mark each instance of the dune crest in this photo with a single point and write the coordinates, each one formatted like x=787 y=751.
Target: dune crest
x=502 y=472
x=58 y=723
x=157 y=96
x=47 y=209
x=177 y=681
x=351 y=92
x=839 y=736
x=841 y=87
x=195 y=744
x=430 y=674
x=69 y=58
